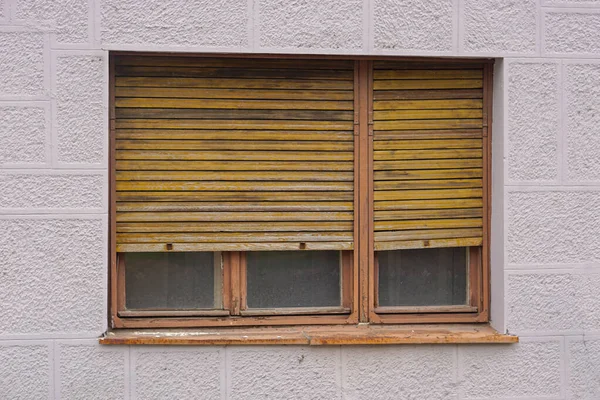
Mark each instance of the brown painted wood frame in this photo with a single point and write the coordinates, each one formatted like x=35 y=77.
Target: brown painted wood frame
x=359 y=265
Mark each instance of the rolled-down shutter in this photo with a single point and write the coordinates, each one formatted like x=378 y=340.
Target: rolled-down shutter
x=428 y=164
x=233 y=154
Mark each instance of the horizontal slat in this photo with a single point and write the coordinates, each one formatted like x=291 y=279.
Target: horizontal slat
x=434 y=243
x=250 y=246
x=272 y=226
x=426 y=194
x=432 y=94
x=231 y=206
x=196 y=93
x=426 y=104
x=236 y=73
x=263 y=145
x=307 y=176
x=212 y=124
x=235 y=196
x=421 y=204
x=427 y=234
x=426 y=114
x=382 y=155
x=427 y=74
x=427 y=124
x=238 y=156
x=428 y=144
x=237 y=135
x=428 y=224
x=233 y=216
x=233 y=114
x=296 y=84
x=429 y=164
x=427 y=84
x=463 y=173
x=428 y=214
x=428 y=134
x=428 y=184
x=234 y=104
x=231 y=185
x=136 y=165
x=234 y=62
x=233 y=237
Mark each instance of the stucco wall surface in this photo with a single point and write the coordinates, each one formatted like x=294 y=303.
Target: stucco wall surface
x=546 y=191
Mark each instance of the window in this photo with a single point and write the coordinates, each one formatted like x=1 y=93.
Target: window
x=282 y=191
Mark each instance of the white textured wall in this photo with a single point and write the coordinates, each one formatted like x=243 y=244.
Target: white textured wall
x=53 y=198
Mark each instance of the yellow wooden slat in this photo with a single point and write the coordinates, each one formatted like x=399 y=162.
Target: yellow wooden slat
x=427 y=74
x=379 y=105
x=428 y=224
x=264 y=145
x=297 y=84
x=386 y=236
x=388 y=115
x=234 y=216
x=272 y=226
x=424 y=244
x=307 y=176
x=463 y=173
x=235 y=196
x=230 y=62
x=440 y=144
x=440 y=213
x=233 y=237
x=231 y=206
x=156 y=165
x=237 y=135
x=428 y=164
x=233 y=114
x=249 y=72
x=391 y=155
x=421 y=134
x=237 y=246
x=428 y=184
x=195 y=93
x=385 y=195
x=427 y=84
x=234 y=104
x=237 y=156
x=427 y=94
x=212 y=124
x=427 y=124
x=426 y=204
x=231 y=186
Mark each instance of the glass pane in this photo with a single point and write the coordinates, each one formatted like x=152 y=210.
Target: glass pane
x=170 y=280
x=423 y=277
x=293 y=279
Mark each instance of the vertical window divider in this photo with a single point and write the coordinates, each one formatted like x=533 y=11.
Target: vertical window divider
x=112 y=200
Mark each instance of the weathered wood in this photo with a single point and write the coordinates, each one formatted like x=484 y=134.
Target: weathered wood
x=157 y=165
x=234 y=196
x=427 y=74
x=231 y=186
x=455 y=154
x=428 y=224
x=404 y=84
x=426 y=184
x=297 y=84
x=381 y=215
x=253 y=94
x=389 y=236
x=336 y=176
x=271 y=226
x=396 y=175
x=415 y=144
x=212 y=124
x=233 y=216
x=224 y=104
x=237 y=156
x=237 y=237
x=427 y=124
x=427 y=104
x=234 y=135
x=431 y=94
x=427 y=134
x=428 y=164
x=265 y=145
x=428 y=204
x=427 y=194
x=235 y=246
x=389 y=115
x=231 y=206
x=428 y=243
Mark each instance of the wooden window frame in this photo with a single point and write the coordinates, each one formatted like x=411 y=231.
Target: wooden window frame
x=359 y=267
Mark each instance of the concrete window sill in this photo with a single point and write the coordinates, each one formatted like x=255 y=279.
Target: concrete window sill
x=363 y=334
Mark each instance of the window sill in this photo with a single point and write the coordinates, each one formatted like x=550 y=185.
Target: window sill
x=314 y=336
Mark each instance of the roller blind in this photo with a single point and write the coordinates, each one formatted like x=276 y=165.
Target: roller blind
x=233 y=154
x=427 y=155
